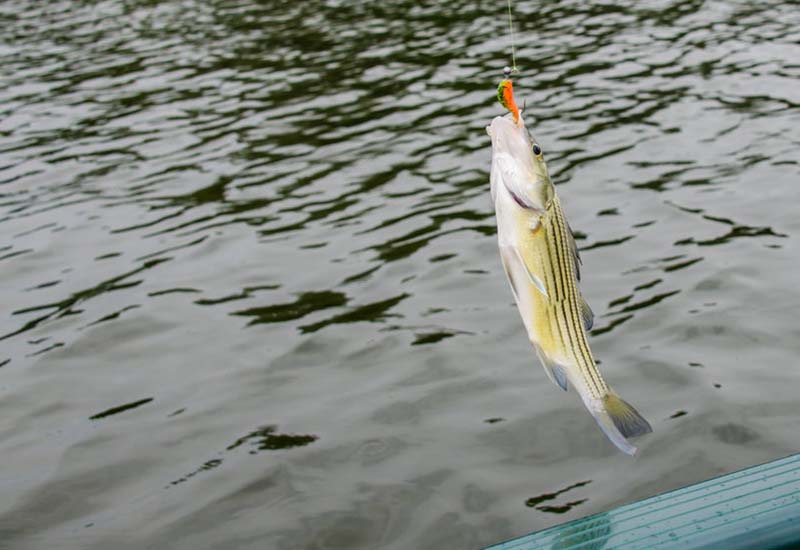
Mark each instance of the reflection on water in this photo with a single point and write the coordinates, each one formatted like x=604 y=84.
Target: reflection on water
x=120 y=408
x=534 y=502
x=561 y=508
x=266 y=439
x=263 y=439
x=217 y=213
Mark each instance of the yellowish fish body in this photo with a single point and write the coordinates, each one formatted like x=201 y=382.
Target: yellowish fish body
x=541 y=261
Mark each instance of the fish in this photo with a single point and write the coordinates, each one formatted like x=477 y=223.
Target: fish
x=542 y=264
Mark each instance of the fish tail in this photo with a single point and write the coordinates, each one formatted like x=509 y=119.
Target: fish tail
x=619 y=420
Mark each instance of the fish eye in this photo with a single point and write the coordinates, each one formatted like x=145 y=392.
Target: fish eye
x=537 y=150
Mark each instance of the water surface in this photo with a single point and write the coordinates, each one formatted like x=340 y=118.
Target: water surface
x=250 y=290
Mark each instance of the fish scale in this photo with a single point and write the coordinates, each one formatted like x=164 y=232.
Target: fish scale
x=589 y=365
x=568 y=303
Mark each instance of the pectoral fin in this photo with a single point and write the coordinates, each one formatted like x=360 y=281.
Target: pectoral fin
x=509 y=269
x=518 y=273
x=576 y=256
x=535 y=281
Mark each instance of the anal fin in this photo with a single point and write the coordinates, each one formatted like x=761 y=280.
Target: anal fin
x=555 y=372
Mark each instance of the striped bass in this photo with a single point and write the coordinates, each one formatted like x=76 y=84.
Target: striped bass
x=541 y=261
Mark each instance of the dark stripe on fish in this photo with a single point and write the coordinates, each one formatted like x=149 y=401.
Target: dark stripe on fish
x=575 y=336
x=554 y=279
x=575 y=300
x=578 y=336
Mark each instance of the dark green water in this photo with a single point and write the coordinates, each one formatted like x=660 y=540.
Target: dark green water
x=250 y=290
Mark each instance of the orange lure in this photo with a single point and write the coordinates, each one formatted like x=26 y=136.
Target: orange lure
x=505 y=95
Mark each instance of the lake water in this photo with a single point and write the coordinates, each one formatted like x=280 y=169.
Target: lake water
x=251 y=295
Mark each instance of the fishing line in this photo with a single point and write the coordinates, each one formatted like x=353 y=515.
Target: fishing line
x=514 y=69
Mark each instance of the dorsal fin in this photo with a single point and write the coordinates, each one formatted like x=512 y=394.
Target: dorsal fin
x=576 y=255
x=587 y=314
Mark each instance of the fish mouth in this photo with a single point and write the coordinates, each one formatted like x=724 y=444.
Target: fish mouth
x=506 y=135
x=512 y=139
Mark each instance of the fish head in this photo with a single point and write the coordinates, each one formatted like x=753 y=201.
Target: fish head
x=518 y=162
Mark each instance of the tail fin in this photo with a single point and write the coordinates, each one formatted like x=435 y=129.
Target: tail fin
x=619 y=420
